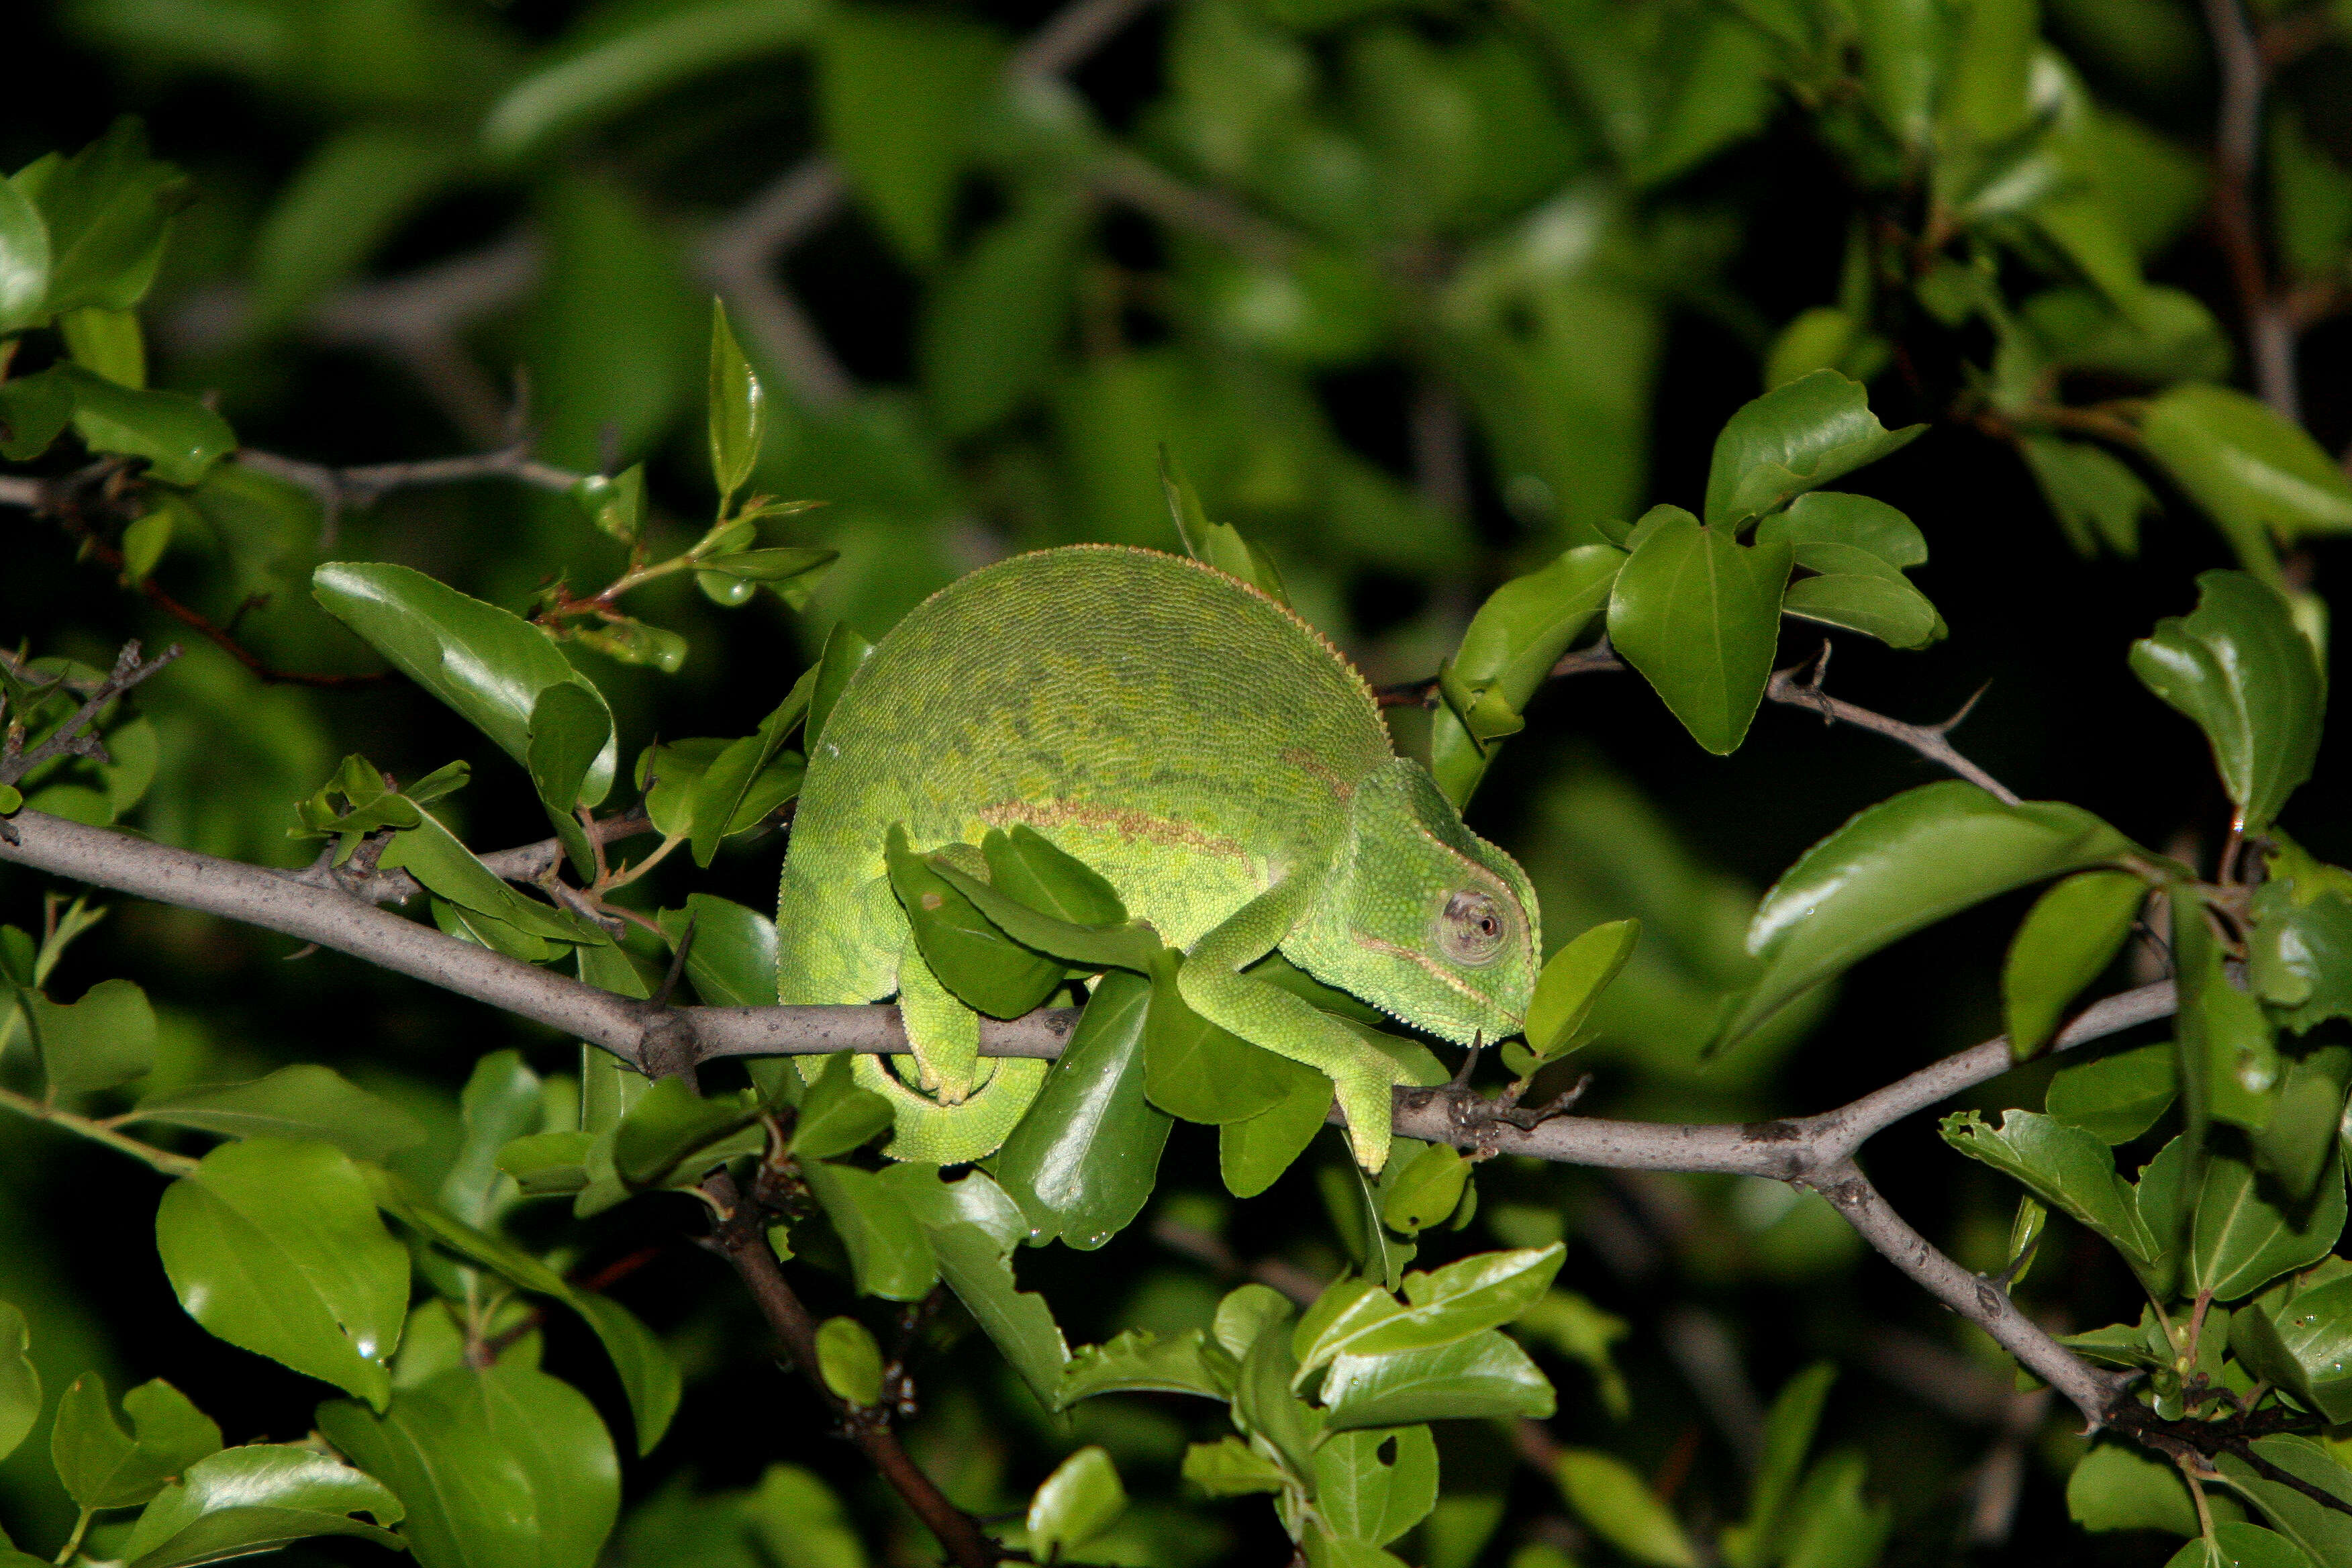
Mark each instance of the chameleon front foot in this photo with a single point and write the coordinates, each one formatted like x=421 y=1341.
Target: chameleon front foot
x=1473 y=1116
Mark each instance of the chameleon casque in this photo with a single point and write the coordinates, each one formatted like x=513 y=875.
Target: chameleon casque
x=1210 y=754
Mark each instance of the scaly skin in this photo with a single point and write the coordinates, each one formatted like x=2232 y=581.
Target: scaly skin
x=1206 y=751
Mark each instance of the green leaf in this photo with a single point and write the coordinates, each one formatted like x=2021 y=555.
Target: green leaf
x=107 y=343
x=179 y=436
x=2259 y=476
x=20 y=1381
x=2324 y=1532
x=1880 y=604
x=432 y=854
x=991 y=327
x=35 y=409
x=734 y=961
x=579 y=89
x=1788 y=1430
x=836 y=1115
x=1795 y=438
x=1583 y=1332
x=1485 y=1375
x=105 y=1040
x=2242 y=1241
x=24 y=261
x=845 y=652
x=1321 y=1548
x=1893 y=867
x=1834 y=1526
x=2239 y=668
x=547 y=1164
x=2299 y=956
x=2066 y=1167
x=1218 y=544
x=1074 y=1504
x=1197 y=1072
x=2097 y=497
x=2229 y=1054
x=2292 y=1148
x=570 y=729
x=973 y=1229
x=1698 y=613
x=987 y=970
x=2237 y=1544
x=101 y=1466
x=299 y=1102
x=2303 y=1344
x=849 y=1360
x=1265 y=1405
x=1253 y=1152
x=1129 y=945
x=1374 y=1485
x=1427 y=1188
x=2162 y=1198
x=106 y=209
x=275 y=1247
x=2116 y=1098
x=1084 y=1158
x=799 y=1519
x=1139 y=1362
x=1231 y=1467
x=2068 y=938
x=242 y=1500
x=615 y=503
x=354 y=190
x=504 y=1466
x=1507 y=653
x=1834 y=518
x=889 y=1251
x=1610 y=1498
x=748 y=778
x=738 y=408
x=672 y=1135
x=487 y=664
x=901 y=95
x=1571 y=981
x=2115 y=1486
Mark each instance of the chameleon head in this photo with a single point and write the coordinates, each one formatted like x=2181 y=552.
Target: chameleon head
x=1422 y=918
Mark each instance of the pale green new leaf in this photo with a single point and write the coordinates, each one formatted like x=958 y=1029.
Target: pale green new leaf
x=240 y=1502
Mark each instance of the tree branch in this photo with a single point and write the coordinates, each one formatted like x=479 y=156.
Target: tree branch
x=739 y=1235
x=68 y=737
x=2237 y=144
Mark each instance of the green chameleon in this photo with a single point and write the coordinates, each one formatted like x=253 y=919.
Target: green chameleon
x=1211 y=756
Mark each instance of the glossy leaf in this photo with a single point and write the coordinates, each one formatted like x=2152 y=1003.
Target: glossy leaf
x=1427 y=1189
x=2293 y=1147
x=276 y=1247
x=504 y=1468
x=569 y=728
x=1084 y=1158
x=432 y=855
x=2240 y=1240
x=738 y=408
x=672 y=1134
x=1698 y=613
x=2069 y=937
x=2230 y=1064
x=2302 y=1344
x=24 y=261
x=849 y=1360
x=1483 y=1375
x=1573 y=980
x=1074 y=1504
x=2323 y=1530
x=2236 y=1544
x=1374 y=1485
x=489 y=664
x=1612 y=1499
x=1127 y=944
x=1877 y=603
x=20 y=1381
x=180 y=438
x=1795 y=438
x=242 y=1500
x=2299 y=955
x=734 y=961
x=985 y=969
x=2066 y=1167
x=973 y=1229
x=304 y=1101
x=1253 y=1152
x=2117 y=1487
x=889 y=1251
x=102 y=1467
x=1137 y=1360
x=105 y=208
x=2242 y=670
x=1231 y=1467
x=836 y=1115
x=1507 y=653
x=845 y=652
x=2259 y=476
x=1893 y=867
x=1856 y=522
x=105 y=1040
x=2117 y=1097
x=1197 y=1072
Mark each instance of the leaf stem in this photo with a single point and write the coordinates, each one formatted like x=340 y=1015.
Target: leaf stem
x=163 y=1160
x=73 y=1542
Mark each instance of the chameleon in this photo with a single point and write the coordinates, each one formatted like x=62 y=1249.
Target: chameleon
x=1209 y=753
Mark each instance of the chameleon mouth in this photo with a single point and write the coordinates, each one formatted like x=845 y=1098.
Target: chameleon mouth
x=1482 y=1006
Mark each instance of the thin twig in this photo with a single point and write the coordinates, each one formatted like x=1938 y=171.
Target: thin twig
x=68 y=737
x=1930 y=741
x=162 y=1160
x=2237 y=145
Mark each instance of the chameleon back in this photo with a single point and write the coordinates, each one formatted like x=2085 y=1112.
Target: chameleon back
x=1183 y=733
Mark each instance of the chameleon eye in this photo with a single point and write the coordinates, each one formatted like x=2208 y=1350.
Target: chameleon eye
x=1470 y=929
